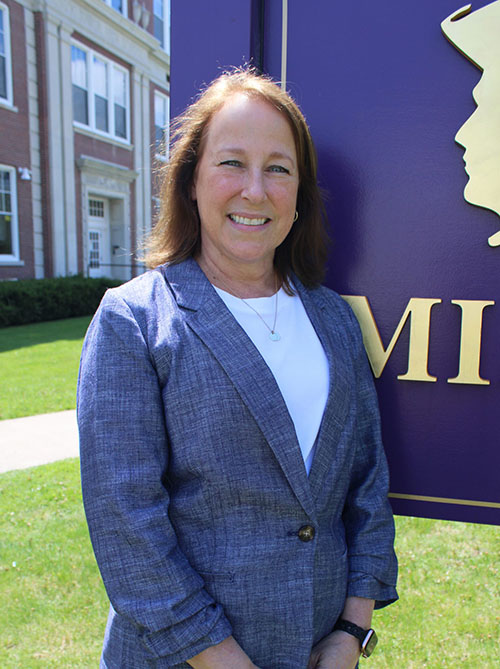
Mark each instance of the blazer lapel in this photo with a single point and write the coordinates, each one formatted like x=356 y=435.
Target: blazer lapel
x=329 y=443
x=209 y=318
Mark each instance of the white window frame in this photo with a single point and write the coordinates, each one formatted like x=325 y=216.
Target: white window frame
x=166 y=24
x=14 y=224
x=9 y=99
x=112 y=65
x=123 y=12
x=164 y=100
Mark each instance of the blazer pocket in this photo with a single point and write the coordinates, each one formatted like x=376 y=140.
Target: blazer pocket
x=227 y=576
x=222 y=586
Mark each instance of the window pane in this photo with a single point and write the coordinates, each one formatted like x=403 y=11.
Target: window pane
x=158 y=30
x=158 y=8
x=101 y=113
x=79 y=67
x=96 y=208
x=160 y=111
x=100 y=78
x=5 y=203
x=5 y=214
x=94 y=250
x=160 y=122
x=100 y=81
x=117 y=4
x=4 y=181
x=120 y=121
x=80 y=105
x=5 y=192
x=2 y=34
x=3 y=56
x=159 y=137
x=5 y=234
x=119 y=87
x=3 y=77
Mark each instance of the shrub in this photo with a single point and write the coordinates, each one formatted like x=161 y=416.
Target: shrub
x=35 y=300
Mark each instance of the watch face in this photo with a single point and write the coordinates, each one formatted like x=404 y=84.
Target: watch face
x=368 y=645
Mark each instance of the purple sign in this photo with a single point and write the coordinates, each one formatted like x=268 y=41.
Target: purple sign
x=385 y=93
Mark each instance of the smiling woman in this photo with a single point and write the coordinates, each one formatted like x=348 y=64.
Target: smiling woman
x=177 y=235
x=233 y=474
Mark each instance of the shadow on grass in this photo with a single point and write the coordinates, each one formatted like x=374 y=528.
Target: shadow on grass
x=22 y=336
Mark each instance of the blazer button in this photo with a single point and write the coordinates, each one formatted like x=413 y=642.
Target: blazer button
x=306 y=533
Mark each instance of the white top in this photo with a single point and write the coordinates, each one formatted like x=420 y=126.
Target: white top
x=297 y=361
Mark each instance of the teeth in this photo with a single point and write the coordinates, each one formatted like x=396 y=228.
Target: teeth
x=242 y=220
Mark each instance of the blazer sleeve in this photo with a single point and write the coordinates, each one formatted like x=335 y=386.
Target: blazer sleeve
x=124 y=457
x=367 y=516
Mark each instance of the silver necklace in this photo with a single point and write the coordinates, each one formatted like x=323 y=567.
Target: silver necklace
x=273 y=335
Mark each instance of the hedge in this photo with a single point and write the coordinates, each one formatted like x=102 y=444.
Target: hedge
x=35 y=300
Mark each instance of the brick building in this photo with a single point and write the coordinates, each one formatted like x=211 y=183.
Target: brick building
x=84 y=103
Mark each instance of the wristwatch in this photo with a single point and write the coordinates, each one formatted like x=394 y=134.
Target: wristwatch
x=367 y=638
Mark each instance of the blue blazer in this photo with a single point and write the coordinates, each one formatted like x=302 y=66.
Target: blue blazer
x=194 y=485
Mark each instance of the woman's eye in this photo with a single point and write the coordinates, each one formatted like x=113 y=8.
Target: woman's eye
x=279 y=169
x=231 y=163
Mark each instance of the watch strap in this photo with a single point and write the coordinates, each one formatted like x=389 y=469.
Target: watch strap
x=367 y=638
x=351 y=628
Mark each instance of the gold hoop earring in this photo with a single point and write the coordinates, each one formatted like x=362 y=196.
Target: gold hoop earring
x=296 y=216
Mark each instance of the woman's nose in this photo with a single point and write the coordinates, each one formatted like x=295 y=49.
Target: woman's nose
x=254 y=188
x=463 y=135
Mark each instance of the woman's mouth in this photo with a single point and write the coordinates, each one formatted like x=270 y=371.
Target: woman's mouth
x=243 y=220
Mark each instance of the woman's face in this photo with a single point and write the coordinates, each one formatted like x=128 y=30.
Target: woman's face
x=245 y=185
x=480 y=136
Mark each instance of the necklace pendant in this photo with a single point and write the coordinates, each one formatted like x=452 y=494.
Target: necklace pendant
x=274 y=336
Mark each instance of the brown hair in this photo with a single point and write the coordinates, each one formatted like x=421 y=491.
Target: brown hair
x=176 y=235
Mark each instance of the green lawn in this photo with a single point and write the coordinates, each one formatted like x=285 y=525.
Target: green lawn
x=39 y=366
x=53 y=603
x=54 y=607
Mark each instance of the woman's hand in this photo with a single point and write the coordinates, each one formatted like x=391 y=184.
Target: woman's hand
x=338 y=650
x=228 y=653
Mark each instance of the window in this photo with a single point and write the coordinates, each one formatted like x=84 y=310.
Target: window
x=120 y=102
x=94 y=251
x=161 y=23
x=162 y=111
x=9 y=241
x=101 y=86
x=96 y=208
x=100 y=93
x=5 y=57
x=119 y=5
x=80 y=85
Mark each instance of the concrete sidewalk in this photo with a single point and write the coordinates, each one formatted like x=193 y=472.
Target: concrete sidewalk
x=36 y=440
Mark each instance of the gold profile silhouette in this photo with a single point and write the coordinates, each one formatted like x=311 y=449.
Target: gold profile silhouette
x=477 y=36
